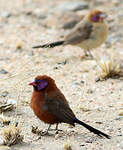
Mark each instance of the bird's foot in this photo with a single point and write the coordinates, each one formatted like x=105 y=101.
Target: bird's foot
x=57 y=131
x=88 y=55
x=35 y=130
x=44 y=133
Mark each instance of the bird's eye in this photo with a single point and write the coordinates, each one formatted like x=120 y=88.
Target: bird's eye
x=37 y=81
x=95 y=18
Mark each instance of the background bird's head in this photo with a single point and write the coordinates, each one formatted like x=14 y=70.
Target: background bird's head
x=42 y=82
x=96 y=16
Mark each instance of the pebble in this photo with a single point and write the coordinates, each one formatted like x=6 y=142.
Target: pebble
x=57 y=136
x=3 y=71
x=63 y=62
x=119 y=134
x=90 y=140
x=90 y=91
x=39 y=14
x=5 y=93
x=99 y=122
x=119 y=118
x=82 y=81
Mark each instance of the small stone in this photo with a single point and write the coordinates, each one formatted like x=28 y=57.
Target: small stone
x=63 y=62
x=4 y=94
x=56 y=68
x=3 y=71
x=119 y=134
x=29 y=13
x=82 y=144
x=82 y=81
x=39 y=14
x=99 y=122
x=57 y=136
x=90 y=140
x=90 y=91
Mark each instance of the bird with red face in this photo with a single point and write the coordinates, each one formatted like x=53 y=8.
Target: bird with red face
x=51 y=106
x=88 y=34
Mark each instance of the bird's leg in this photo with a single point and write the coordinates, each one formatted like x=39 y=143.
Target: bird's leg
x=43 y=133
x=57 y=130
x=90 y=54
x=46 y=132
x=86 y=52
x=56 y=126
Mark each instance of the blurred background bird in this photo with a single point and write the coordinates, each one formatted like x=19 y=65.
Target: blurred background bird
x=88 y=34
x=51 y=106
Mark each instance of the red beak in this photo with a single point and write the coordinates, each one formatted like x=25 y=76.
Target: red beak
x=102 y=16
x=32 y=83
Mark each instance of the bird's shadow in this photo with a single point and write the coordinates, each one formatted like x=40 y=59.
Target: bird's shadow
x=88 y=138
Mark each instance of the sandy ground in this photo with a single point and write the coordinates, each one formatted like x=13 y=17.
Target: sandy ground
x=97 y=103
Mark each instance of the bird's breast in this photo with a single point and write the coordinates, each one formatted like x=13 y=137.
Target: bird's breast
x=41 y=111
x=97 y=37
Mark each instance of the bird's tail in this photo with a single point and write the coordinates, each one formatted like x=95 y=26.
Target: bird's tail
x=91 y=129
x=50 y=45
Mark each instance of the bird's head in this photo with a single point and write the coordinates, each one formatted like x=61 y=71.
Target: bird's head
x=96 y=16
x=42 y=82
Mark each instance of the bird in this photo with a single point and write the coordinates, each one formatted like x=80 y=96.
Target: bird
x=50 y=105
x=88 y=34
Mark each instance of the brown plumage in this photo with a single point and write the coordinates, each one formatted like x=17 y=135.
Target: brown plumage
x=88 y=34
x=51 y=106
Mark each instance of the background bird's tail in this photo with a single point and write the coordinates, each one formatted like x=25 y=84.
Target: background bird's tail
x=95 y=131
x=50 y=45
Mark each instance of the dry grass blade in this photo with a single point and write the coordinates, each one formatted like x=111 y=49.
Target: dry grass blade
x=6 y=107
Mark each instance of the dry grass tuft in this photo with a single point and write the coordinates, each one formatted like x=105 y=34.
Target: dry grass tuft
x=67 y=145
x=4 y=120
x=108 y=68
x=11 y=135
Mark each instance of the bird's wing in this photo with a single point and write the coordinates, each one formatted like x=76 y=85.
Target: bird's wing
x=81 y=32
x=59 y=108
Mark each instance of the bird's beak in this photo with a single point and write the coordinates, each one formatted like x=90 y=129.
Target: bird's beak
x=32 y=83
x=102 y=16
